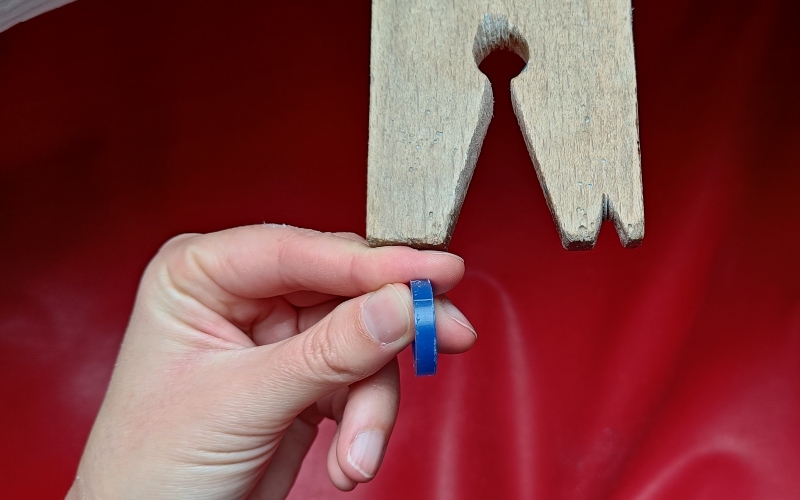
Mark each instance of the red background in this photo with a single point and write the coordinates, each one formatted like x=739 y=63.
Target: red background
x=667 y=372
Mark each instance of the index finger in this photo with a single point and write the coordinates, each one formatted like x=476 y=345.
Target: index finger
x=264 y=261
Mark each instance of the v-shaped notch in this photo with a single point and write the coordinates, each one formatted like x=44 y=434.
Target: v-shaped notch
x=430 y=107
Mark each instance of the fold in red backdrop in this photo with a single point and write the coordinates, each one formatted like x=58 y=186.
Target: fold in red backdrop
x=671 y=371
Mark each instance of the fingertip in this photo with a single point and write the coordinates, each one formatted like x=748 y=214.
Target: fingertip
x=454 y=333
x=402 y=264
x=335 y=472
x=365 y=454
x=449 y=270
x=342 y=482
x=367 y=423
x=444 y=254
x=456 y=315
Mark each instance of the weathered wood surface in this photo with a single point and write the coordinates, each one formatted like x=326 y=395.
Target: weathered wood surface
x=430 y=107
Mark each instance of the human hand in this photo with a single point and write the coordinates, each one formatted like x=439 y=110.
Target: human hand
x=240 y=343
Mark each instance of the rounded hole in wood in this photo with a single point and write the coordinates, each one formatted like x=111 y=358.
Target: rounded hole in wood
x=496 y=33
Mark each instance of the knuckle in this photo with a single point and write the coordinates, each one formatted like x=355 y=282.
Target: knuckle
x=175 y=268
x=176 y=252
x=324 y=358
x=357 y=271
x=180 y=256
x=177 y=243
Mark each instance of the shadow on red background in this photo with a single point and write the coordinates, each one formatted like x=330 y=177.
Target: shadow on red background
x=667 y=372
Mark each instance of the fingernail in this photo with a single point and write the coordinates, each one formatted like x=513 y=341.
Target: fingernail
x=385 y=315
x=366 y=452
x=458 y=316
x=439 y=252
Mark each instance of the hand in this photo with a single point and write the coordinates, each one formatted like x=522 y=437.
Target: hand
x=240 y=343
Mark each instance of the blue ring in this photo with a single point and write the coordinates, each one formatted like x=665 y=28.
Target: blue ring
x=424 y=345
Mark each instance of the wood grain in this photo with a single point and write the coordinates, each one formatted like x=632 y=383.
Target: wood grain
x=430 y=107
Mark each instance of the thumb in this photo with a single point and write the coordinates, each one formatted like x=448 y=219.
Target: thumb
x=354 y=341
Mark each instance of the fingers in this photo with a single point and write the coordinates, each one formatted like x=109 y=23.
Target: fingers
x=310 y=316
x=366 y=425
x=264 y=261
x=335 y=472
x=277 y=321
x=354 y=341
x=285 y=464
x=352 y=237
x=454 y=333
x=305 y=298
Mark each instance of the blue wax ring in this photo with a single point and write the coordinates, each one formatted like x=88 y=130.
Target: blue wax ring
x=424 y=345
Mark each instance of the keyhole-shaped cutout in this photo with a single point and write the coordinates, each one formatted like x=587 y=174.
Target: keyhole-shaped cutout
x=496 y=34
x=430 y=108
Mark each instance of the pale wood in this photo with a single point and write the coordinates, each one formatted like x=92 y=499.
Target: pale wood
x=430 y=107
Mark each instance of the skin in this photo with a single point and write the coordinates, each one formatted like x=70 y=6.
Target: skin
x=240 y=343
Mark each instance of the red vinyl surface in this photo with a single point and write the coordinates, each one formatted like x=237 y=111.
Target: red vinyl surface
x=671 y=371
